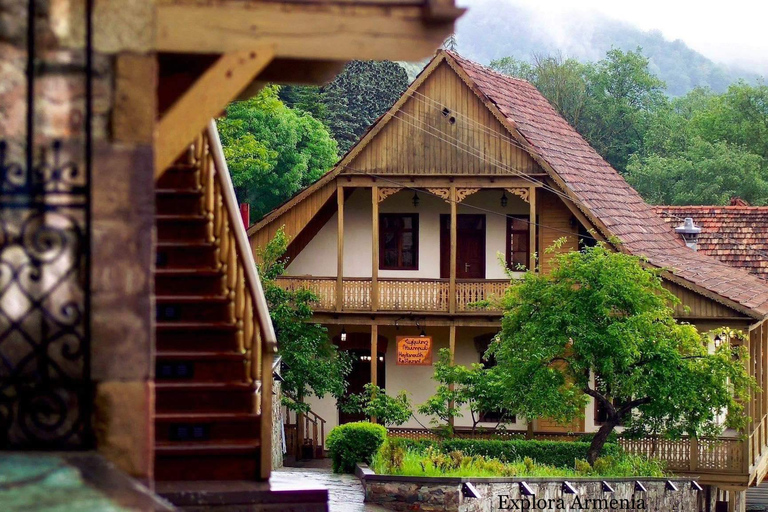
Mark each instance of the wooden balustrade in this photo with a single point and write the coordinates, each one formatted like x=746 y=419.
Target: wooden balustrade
x=313 y=432
x=398 y=294
x=248 y=308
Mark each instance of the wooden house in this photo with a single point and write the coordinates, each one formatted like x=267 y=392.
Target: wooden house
x=469 y=170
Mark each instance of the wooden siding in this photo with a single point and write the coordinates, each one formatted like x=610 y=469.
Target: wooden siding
x=294 y=219
x=554 y=223
x=699 y=305
x=476 y=143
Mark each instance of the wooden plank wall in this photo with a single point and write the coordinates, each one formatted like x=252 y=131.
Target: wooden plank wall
x=294 y=219
x=700 y=306
x=475 y=143
x=554 y=223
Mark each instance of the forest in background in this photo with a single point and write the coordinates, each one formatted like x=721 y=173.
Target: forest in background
x=700 y=148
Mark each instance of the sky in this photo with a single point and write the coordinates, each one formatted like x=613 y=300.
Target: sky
x=734 y=32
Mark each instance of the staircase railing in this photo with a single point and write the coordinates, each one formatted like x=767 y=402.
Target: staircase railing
x=313 y=432
x=248 y=306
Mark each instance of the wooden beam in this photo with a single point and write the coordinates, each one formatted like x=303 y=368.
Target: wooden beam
x=452 y=282
x=452 y=349
x=340 y=249
x=210 y=94
x=482 y=181
x=374 y=358
x=532 y=228
x=302 y=30
x=375 y=246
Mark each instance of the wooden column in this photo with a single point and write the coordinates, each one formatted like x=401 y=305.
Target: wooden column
x=374 y=358
x=375 y=246
x=340 y=250
x=452 y=283
x=452 y=348
x=532 y=227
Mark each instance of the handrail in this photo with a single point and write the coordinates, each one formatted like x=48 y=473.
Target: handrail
x=241 y=239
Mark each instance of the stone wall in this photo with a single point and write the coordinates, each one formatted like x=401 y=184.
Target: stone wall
x=122 y=192
x=277 y=426
x=445 y=494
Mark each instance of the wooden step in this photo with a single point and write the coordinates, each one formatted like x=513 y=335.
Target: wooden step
x=204 y=426
x=192 y=308
x=236 y=459
x=189 y=281
x=185 y=255
x=200 y=366
x=194 y=336
x=178 y=176
x=177 y=201
x=176 y=396
x=181 y=228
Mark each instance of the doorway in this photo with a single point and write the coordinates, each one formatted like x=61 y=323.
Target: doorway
x=470 y=246
x=358 y=346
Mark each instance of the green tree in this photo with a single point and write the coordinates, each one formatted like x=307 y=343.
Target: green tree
x=273 y=151
x=374 y=402
x=313 y=365
x=475 y=387
x=601 y=313
x=352 y=101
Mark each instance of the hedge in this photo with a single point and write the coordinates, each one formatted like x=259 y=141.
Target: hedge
x=553 y=453
x=351 y=443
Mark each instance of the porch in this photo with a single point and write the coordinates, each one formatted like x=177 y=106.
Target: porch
x=424 y=295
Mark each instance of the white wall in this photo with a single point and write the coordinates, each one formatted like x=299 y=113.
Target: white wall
x=319 y=256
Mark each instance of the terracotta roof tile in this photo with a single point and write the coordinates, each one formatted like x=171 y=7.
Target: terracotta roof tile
x=736 y=235
x=604 y=192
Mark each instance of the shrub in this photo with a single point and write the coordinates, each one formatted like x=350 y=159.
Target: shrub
x=553 y=453
x=354 y=442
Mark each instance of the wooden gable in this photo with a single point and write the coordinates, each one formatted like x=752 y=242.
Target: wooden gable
x=442 y=128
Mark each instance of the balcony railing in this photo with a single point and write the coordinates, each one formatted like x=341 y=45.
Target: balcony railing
x=400 y=294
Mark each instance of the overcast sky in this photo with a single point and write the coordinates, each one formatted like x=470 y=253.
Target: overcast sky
x=732 y=32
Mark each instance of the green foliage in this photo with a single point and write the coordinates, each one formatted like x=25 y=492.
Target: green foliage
x=395 y=459
x=552 y=453
x=273 y=151
x=374 y=402
x=350 y=103
x=458 y=386
x=351 y=443
x=312 y=364
x=602 y=313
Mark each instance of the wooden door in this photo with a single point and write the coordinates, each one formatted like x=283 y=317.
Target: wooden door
x=470 y=246
x=359 y=377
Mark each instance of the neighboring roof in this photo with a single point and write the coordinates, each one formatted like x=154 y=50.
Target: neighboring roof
x=597 y=189
x=736 y=235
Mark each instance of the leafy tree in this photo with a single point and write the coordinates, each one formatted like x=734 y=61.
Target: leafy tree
x=702 y=173
x=602 y=313
x=273 y=151
x=312 y=364
x=375 y=403
x=478 y=388
x=350 y=103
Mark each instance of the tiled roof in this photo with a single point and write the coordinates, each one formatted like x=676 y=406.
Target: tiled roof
x=737 y=235
x=602 y=192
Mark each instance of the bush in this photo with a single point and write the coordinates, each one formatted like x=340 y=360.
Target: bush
x=553 y=453
x=354 y=442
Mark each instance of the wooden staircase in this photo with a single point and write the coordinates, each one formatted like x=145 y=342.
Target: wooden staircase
x=213 y=344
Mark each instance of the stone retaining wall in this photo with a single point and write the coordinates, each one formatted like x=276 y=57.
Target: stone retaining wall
x=429 y=494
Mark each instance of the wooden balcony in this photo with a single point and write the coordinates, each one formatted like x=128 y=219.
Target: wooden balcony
x=423 y=295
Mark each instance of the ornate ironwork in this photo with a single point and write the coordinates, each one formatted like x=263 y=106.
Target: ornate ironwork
x=45 y=393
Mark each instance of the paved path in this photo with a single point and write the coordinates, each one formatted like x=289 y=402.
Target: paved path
x=345 y=493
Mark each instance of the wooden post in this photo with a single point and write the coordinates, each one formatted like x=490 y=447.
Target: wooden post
x=375 y=245
x=452 y=282
x=532 y=228
x=340 y=250
x=452 y=349
x=374 y=358
x=693 y=456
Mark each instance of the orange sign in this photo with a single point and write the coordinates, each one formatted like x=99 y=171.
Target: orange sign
x=414 y=350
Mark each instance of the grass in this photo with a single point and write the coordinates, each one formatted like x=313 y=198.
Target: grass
x=394 y=460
